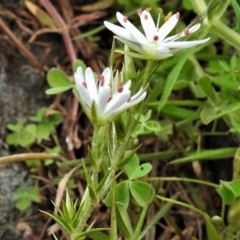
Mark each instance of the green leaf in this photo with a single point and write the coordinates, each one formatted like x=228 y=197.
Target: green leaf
x=215 y=154
x=210 y=114
x=23 y=204
x=56 y=78
x=172 y=78
x=141 y=171
x=153 y=126
x=206 y=85
x=43 y=131
x=131 y=166
x=57 y=90
x=233 y=215
x=122 y=195
x=211 y=230
x=16 y=127
x=78 y=63
x=39 y=116
x=12 y=139
x=226 y=193
x=141 y=192
x=236 y=8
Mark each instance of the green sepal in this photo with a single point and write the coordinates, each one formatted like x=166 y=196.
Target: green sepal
x=93 y=195
x=88 y=177
x=94 y=118
x=91 y=159
x=120 y=127
x=129 y=68
x=127 y=157
x=104 y=179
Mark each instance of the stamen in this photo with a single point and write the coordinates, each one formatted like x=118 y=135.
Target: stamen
x=139 y=12
x=148 y=9
x=155 y=38
x=129 y=100
x=120 y=87
x=125 y=19
x=101 y=80
x=178 y=15
x=160 y=10
x=168 y=16
x=110 y=98
x=186 y=31
x=145 y=16
x=84 y=85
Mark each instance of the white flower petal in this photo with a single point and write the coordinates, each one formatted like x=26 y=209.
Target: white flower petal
x=134 y=46
x=185 y=44
x=117 y=100
x=91 y=84
x=127 y=105
x=120 y=31
x=104 y=95
x=127 y=85
x=107 y=76
x=167 y=27
x=83 y=92
x=148 y=25
x=131 y=29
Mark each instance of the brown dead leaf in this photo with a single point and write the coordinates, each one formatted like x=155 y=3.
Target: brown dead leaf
x=41 y=15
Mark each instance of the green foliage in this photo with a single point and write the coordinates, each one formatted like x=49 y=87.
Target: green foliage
x=24 y=197
x=41 y=129
x=145 y=125
x=58 y=81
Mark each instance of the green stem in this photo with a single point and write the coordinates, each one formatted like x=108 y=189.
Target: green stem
x=226 y=33
x=181 y=204
x=164 y=179
x=147 y=72
x=113 y=232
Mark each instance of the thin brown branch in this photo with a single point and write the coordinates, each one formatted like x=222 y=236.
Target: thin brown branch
x=24 y=51
x=29 y=156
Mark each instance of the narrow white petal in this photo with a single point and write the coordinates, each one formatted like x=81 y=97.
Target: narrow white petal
x=167 y=27
x=79 y=80
x=91 y=84
x=136 y=47
x=107 y=76
x=148 y=25
x=117 y=100
x=163 y=49
x=120 y=31
x=185 y=44
x=132 y=29
x=137 y=94
x=192 y=29
x=84 y=95
x=104 y=94
x=127 y=85
x=127 y=105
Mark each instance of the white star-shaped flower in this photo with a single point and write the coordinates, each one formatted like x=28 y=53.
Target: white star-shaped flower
x=154 y=44
x=100 y=99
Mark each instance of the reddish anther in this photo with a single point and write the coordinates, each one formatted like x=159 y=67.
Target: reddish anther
x=155 y=38
x=145 y=16
x=101 y=80
x=139 y=12
x=125 y=19
x=120 y=87
x=186 y=31
x=178 y=15
x=110 y=98
x=84 y=84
